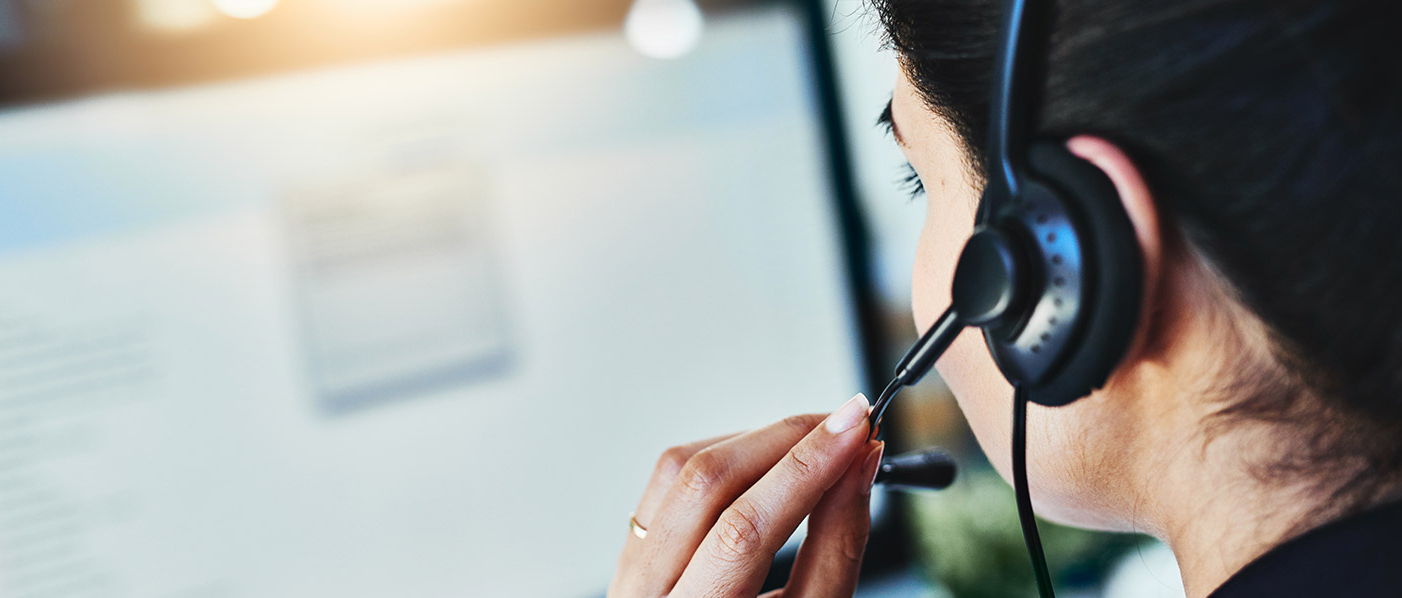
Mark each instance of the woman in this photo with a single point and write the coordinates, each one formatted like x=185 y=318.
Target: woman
x=1255 y=426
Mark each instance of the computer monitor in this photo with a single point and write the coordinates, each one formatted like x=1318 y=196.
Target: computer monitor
x=415 y=325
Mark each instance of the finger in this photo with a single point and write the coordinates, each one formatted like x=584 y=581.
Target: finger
x=709 y=482
x=831 y=555
x=736 y=553
x=664 y=474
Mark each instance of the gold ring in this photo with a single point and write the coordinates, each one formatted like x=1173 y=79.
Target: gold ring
x=638 y=529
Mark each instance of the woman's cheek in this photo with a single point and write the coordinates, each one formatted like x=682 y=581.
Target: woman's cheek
x=983 y=395
x=935 y=258
x=927 y=288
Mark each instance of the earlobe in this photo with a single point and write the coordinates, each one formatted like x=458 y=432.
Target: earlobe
x=1143 y=214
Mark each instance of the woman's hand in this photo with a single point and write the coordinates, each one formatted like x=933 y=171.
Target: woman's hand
x=717 y=510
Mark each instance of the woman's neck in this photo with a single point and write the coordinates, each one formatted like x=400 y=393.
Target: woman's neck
x=1217 y=514
x=1196 y=477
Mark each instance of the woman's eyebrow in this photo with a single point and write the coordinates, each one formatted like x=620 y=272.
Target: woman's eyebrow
x=889 y=121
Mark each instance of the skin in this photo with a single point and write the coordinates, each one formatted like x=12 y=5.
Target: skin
x=717 y=510
x=1137 y=455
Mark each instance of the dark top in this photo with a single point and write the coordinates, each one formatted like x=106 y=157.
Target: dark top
x=1358 y=557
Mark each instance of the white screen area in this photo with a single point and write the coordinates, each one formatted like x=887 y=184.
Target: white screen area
x=416 y=327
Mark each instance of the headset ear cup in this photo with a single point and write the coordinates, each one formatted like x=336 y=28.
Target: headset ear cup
x=1112 y=256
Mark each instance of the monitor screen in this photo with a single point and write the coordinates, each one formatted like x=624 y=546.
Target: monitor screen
x=410 y=326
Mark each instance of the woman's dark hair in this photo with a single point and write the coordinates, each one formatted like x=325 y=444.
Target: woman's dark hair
x=1270 y=132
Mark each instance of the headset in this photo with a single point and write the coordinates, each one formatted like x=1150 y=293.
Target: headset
x=1052 y=274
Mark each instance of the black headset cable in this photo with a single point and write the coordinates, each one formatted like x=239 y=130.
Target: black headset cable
x=1024 y=496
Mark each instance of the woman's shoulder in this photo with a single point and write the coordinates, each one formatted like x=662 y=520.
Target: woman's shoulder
x=1357 y=556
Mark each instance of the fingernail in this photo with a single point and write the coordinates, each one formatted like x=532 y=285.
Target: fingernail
x=873 y=465
x=849 y=415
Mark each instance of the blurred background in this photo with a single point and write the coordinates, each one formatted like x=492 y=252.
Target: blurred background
x=404 y=297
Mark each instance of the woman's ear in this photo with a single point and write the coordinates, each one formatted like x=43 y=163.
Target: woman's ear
x=1143 y=214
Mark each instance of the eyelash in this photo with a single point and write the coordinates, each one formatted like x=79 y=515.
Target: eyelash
x=911 y=183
